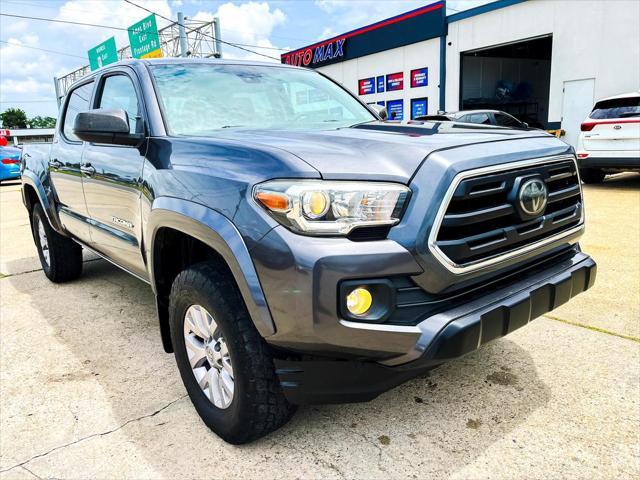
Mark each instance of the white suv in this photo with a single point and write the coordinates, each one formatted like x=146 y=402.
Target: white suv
x=609 y=138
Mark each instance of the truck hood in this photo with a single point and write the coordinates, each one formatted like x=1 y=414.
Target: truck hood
x=381 y=151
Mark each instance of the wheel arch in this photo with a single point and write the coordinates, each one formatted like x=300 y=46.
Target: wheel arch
x=33 y=191
x=194 y=227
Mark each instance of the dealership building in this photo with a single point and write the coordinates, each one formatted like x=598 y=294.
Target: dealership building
x=544 y=61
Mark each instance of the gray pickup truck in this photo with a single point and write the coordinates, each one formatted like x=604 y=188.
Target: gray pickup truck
x=300 y=249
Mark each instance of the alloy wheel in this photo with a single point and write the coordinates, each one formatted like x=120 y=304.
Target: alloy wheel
x=44 y=244
x=209 y=356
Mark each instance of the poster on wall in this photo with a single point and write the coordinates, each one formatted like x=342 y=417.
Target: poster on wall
x=366 y=86
x=418 y=107
x=395 y=109
x=419 y=77
x=381 y=102
x=380 y=84
x=395 y=81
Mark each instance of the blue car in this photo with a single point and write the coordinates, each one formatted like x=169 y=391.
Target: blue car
x=9 y=163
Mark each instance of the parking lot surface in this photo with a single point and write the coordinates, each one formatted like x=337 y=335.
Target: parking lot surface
x=86 y=390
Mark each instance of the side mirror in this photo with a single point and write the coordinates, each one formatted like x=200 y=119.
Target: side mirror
x=380 y=111
x=105 y=126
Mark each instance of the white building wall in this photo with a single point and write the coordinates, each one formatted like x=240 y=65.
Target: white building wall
x=591 y=39
x=405 y=59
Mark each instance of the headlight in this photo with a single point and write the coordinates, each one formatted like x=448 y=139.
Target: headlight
x=319 y=207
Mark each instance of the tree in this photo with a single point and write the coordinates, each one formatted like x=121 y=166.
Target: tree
x=42 y=122
x=14 y=118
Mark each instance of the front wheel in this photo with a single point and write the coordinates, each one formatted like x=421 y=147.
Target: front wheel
x=60 y=257
x=225 y=365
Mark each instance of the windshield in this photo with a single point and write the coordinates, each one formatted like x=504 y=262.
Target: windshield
x=200 y=99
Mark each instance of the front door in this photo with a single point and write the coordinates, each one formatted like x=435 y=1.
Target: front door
x=112 y=176
x=64 y=165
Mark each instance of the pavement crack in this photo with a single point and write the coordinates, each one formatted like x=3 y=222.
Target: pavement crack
x=9 y=275
x=593 y=329
x=93 y=435
x=25 y=468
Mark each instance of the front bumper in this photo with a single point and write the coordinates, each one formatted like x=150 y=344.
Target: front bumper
x=439 y=338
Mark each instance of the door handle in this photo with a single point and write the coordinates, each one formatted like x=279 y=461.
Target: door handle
x=55 y=163
x=87 y=169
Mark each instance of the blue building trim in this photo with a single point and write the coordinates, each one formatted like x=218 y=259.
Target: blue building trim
x=489 y=7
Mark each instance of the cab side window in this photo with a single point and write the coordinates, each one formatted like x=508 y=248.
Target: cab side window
x=78 y=102
x=481 y=118
x=506 y=121
x=118 y=92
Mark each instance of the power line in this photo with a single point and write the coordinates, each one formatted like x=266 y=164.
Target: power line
x=285 y=37
x=30 y=101
x=209 y=36
x=42 y=49
x=44 y=19
x=63 y=21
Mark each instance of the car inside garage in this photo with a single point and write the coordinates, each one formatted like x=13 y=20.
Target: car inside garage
x=513 y=77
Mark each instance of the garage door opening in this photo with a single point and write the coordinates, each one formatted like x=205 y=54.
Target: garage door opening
x=514 y=78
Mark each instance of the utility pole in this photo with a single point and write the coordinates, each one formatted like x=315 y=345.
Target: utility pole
x=216 y=29
x=183 y=35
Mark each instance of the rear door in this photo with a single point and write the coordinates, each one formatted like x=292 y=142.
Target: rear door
x=64 y=165
x=113 y=175
x=613 y=125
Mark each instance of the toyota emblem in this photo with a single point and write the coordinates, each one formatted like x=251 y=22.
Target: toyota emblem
x=533 y=196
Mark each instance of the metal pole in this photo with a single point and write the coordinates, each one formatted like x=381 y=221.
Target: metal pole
x=216 y=27
x=183 y=35
x=57 y=85
x=442 y=104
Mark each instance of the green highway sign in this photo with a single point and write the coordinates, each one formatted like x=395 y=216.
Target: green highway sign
x=144 y=38
x=103 y=54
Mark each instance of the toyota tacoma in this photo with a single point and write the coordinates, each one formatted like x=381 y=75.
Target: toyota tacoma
x=300 y=249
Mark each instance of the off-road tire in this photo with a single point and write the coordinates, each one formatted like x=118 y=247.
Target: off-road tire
x=65 y=255
x=258 y=406
x=592 y=175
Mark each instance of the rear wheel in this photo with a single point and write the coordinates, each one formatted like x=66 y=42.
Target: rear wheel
x=592 y=175
x=60 y=257
x=224 y=363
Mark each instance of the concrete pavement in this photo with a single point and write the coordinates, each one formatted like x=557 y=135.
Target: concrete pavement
x=87 y=391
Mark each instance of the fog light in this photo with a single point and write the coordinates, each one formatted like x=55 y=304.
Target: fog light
x=359 y=301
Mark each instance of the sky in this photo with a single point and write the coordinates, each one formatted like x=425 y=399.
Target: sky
x=33 y=52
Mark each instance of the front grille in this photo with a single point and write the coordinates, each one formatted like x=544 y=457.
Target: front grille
x=484 y=218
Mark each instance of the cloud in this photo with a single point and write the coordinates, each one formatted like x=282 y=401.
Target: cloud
x=249 y=23
x=27 y=74
x=105 y=12
x=328 y=32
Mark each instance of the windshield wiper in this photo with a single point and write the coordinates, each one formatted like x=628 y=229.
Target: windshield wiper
x=361 y=123
x=232 y=126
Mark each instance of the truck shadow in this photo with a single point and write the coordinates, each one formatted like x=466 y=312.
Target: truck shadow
x=619 y=181
x=435 y=424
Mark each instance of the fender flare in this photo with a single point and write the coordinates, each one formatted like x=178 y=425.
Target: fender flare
x=219 y=233
x=31 y=179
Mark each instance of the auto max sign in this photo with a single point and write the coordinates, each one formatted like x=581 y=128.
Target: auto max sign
x=316 y=55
